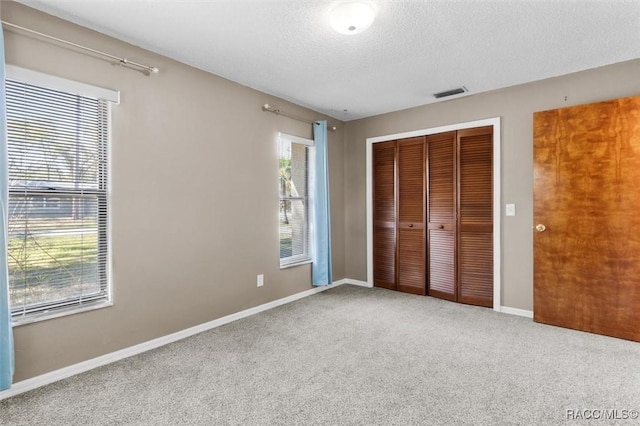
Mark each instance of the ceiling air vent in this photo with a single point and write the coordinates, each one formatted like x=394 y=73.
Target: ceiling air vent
x=451 y=92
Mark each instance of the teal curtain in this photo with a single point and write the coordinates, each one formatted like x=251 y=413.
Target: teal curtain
x=6 y=332
x=321 y=268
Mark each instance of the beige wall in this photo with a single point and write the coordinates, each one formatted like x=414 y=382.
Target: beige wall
x=515 y=106
x=194 y=194
x=194 y=197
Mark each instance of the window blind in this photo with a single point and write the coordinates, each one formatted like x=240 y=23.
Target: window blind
x=57 y=227
x=294 y=176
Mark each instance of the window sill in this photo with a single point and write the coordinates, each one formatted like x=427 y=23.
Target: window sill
x=59 y=313
x=295 y=263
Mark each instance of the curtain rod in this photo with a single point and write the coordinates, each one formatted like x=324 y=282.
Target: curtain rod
x=270 y=108
x=148 y=70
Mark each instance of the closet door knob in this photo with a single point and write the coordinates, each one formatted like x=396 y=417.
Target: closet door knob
x=540 y=227
x=441 y=227
x=411 y=225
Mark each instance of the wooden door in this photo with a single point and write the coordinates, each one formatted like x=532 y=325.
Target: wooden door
x=441 y=233
x=384 y=215
x=475 y=216
x=587 y=203
x=411 y=212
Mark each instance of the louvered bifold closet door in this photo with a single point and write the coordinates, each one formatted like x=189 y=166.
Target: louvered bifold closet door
x=475 y=216
x=384 y=215
x=411 y=216
x=441 y=227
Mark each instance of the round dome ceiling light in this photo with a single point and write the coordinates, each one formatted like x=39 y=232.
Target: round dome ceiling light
x=352 y=17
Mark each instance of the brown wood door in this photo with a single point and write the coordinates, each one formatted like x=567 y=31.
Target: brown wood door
x=441 y=232
x=411 y=212
x=475 y=216
x=587 y=196
x=384 y=215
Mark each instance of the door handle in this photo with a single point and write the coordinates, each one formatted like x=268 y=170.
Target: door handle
x=440 y=226
x=411 y=225
x=540 y=227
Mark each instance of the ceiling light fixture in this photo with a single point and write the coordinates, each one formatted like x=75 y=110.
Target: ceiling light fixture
x=352 y=17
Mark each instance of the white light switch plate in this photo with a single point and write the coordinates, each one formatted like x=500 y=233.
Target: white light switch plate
x=510 y=209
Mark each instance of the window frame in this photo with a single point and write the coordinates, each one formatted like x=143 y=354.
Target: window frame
x=69 y=306
x=303 y=258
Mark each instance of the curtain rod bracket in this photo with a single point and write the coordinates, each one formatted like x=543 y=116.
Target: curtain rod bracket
x=277 y=111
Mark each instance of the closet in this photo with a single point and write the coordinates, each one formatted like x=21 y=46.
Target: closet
x=433 y=215
x=399 y=215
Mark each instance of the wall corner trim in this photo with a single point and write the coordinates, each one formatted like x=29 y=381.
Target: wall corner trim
x=72 y=370
x=516 y=311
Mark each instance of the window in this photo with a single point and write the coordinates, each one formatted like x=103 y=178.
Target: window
x=57 y=227
x=295 y=173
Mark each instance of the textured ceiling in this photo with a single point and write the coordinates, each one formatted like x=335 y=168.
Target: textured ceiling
x=412 y=50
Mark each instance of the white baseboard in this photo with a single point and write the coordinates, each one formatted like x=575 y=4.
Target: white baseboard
x=516 y=311
x=357 y=282
x=72 y=370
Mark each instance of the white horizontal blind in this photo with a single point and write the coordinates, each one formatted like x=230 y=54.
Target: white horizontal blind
x=294 y=174
x=57 y=229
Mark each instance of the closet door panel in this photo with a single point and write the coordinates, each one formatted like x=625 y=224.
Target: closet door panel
x=411 y=276
x=442 y=264
x=411 y=212
x=475 y=216
x=384 y=214
x=475 y=265
x=441 y=240
x=384 y=259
